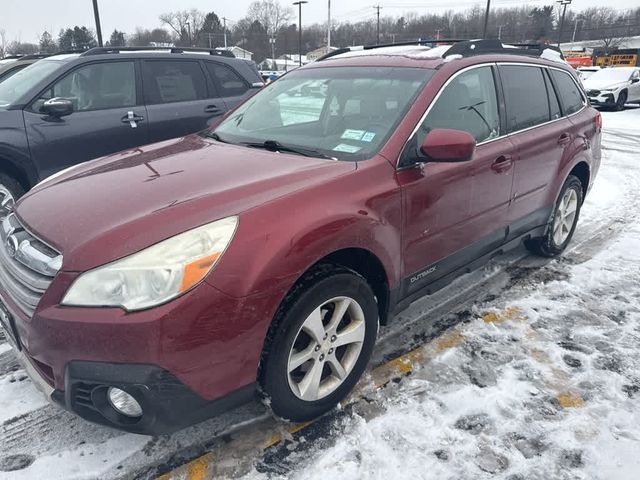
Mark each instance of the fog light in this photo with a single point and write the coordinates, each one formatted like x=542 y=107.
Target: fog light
x=124 y=403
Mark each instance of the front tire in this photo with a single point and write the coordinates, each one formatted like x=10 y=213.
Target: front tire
x=10 y=192
x=321 y=342
x=622 y=101
x=563 y=221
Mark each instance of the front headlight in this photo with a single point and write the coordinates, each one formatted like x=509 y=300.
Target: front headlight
x=156 y=274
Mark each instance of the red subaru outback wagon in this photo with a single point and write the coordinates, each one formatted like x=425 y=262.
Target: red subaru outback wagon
x=156 y=287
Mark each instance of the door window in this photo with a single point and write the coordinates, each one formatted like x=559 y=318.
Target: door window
x=569 y=91
x=525 y=96
x=173 y=81
x=469 y=103
x=554 y=105
x=230 y=84
x=98 y=86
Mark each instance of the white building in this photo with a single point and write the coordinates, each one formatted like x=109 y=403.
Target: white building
x=240 y=52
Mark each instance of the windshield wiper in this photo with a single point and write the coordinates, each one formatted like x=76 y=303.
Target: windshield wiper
x=275 y=146
x=216 y=137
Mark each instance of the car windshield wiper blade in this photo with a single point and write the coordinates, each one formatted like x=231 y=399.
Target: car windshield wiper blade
x=216 y=137
x=275 y=146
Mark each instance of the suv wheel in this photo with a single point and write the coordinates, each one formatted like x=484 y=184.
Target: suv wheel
x=622 y=100
x=563 y=222
x=10 y=191
x=320 y=345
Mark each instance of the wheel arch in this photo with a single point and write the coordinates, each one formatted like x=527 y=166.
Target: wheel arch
x=583 y=172
x=14 y=171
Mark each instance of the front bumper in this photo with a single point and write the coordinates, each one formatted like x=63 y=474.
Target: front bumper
x=603 y=100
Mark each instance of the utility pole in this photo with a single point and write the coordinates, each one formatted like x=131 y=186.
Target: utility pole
x=564 y=3
x=329 y=26
x=299 y=4
x=575 y=31
x=96 y=14
x=500 y=32
x=377 y=9
x=189 y=33
x=224 y=29
x=486 y=19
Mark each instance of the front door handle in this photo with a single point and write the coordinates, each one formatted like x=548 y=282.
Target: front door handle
x=132 y=119
x=213 y=109
x=564 y=139
x=502 y=164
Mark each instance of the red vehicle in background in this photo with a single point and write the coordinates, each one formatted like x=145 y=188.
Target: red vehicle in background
x=156 y=287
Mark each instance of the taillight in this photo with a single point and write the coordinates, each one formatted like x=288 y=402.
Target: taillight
x=598 y=120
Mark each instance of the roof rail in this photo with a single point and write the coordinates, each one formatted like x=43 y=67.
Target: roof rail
x=466 y=48
x=108 y=50
x=34 y=56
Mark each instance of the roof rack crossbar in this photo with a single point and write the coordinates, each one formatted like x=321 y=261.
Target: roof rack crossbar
x=109 y=50
x=465 y=48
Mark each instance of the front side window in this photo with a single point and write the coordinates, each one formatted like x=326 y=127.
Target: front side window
x=230 y=84
x=169 y=81
x=346 y=113
x=569 y=91
x=98 y=86
x=525 y=95
x=469 y=103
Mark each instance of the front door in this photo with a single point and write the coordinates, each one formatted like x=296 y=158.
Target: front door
x=108 y=117
x=456 y=212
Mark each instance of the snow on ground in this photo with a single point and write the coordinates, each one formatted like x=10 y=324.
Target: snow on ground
x=541 y=381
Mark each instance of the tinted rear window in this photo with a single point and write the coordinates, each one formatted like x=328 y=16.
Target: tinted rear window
x=167 y=81
x=525 y=96
x=569 y=92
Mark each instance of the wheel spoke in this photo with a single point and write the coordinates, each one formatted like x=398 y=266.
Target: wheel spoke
x=314 y=327
x=341 y=308
x=337 y=368
x=353 y=333
x=300 y=358
x=309 y=386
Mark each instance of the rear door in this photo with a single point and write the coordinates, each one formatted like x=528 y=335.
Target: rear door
x=541 y=135
x=178 y=97
x=108 y=116
x=229 y=84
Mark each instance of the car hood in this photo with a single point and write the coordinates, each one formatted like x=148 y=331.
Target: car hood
x=597 y=84
x=111 y=207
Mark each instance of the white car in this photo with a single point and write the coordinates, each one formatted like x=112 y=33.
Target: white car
x=614 y=87
x=586 y=72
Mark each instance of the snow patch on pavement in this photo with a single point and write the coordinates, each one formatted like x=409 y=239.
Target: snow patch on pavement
x=18 y=396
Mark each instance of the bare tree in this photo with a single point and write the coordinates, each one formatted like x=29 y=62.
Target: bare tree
x=186 y=23
x=271 y=15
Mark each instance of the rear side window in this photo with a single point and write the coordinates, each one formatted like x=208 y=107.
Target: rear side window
x=525 y=95
x=97 y=86
x=469 y=103
x=229 y=83
x=569 y=92
x=173 y=81
x=553 y=99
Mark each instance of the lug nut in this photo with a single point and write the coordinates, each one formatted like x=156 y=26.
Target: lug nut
x=330 y=351
x=322 y=357
x=325 y=336
x=334 y=338
x=317 y=348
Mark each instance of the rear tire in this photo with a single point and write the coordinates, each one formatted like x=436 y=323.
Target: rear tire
x=563 y=221
x=622 y=101
x=319 y=345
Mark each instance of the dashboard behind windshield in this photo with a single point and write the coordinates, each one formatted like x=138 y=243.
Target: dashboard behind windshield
x=346 y=113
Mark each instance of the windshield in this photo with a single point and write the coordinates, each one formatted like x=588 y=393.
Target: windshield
x=611 y=75
x=346 y=113
x=12 y=88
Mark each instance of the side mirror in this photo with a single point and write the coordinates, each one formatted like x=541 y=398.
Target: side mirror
x=57 y=107
x=445 y=145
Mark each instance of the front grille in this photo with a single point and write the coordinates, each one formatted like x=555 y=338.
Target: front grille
x=593 y=93
x=27 y=265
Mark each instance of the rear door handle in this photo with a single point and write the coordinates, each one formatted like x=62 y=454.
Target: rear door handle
x=213 y=109
x=502 y=164
x=132 y=119
x=564 y=139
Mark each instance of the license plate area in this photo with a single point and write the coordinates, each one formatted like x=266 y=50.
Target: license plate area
x=8 y=325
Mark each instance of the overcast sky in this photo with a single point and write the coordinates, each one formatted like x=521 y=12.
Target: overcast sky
x=25 y=20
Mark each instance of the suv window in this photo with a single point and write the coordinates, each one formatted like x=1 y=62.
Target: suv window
x=525 y=96
x=569 y=92
x=229 y=83
x=168 y=81
x=468 y=103
x=554 y=105
x=98 y=86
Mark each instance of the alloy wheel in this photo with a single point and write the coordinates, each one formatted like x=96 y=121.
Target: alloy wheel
x=6 y=201
x=326 y=348
x=565 y=216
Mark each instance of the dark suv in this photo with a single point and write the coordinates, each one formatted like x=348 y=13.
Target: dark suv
x=153 y=288
x=70 y=108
